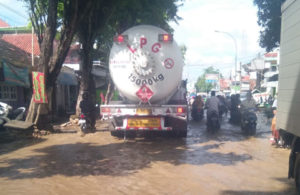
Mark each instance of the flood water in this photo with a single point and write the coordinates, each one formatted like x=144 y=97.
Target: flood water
x=224 y=163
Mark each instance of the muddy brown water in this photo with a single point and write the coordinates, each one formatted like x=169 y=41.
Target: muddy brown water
x=224 y=163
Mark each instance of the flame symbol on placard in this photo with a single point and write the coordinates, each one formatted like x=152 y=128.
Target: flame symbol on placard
x=144 y=93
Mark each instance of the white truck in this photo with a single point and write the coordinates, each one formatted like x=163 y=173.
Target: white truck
x=146 y=65
x=288 y=103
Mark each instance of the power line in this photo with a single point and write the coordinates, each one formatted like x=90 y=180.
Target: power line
x=9 y=19
x=207 y=65
x=12 y=10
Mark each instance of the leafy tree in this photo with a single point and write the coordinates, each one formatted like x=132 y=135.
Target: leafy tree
x=269 y=18
x=47 y=16
x=201 y=85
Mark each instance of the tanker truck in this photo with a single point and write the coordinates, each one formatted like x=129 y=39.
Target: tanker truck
x=146 y=65
x=288 y=102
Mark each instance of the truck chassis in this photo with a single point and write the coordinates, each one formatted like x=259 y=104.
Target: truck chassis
x=130 y=119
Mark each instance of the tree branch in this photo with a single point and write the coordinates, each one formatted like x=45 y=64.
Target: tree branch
x=68 y=31
x=35 y=22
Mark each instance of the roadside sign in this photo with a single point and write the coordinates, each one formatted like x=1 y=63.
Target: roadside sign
x=210 y=81
x=39 y=93
x=211 y=78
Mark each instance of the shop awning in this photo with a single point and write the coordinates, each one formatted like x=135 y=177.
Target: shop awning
x=67 y=78
x=13 y=75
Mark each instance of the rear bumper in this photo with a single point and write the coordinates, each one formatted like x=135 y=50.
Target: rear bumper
x=125 y=126
x=167 y=123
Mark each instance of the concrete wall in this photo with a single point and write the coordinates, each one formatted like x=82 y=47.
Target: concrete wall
x=289 y=69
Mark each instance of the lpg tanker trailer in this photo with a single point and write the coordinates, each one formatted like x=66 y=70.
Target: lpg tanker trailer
x=146 y=65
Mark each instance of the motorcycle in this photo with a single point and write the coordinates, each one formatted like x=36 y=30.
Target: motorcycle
x=213 y=122
x=249 y=122
x=197 y=113
x=7 y=114
x=84 y=123
x=222 y=111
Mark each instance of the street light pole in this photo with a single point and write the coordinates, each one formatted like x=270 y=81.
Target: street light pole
x=235 y=57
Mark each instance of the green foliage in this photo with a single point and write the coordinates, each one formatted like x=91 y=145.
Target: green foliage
x=15 y=30
x=269 y=18
x=201 y=85
x=129 y=13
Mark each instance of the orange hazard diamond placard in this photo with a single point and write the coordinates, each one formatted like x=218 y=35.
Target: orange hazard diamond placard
x=144 y=93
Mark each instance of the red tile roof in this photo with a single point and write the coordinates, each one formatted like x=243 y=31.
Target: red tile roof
x=23 y=41
x=224 y=83
x=3 y=24
x=14 y=55
x=246 y=78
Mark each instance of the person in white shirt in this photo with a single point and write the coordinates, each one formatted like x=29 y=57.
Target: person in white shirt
x=249 y=102
x=212 y=104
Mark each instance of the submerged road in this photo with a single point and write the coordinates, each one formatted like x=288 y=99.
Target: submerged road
x=223 y=163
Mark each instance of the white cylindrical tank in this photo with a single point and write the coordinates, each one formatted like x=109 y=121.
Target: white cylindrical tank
x=142 y=60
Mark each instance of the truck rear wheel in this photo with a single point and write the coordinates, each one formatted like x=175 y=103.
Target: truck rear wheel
x=179 y=127
x=297 y=172
x=183 y=133
x=118 y=134
x=179 y=132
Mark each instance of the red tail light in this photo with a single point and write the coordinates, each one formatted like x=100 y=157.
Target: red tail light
x=166 y=38
x=121 y=39
x=180 y=110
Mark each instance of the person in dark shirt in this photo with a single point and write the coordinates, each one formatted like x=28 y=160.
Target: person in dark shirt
x=235 y=116
x=88 y=108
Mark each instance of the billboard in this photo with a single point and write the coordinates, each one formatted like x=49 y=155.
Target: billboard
x=211 y=78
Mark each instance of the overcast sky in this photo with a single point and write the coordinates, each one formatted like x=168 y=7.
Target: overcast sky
x=205 y=47
x=196 y=30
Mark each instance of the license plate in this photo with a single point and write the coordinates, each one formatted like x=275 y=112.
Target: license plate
x=144 y=122
x=143 y=111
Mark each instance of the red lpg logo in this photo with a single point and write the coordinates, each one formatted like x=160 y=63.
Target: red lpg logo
x=155 y=48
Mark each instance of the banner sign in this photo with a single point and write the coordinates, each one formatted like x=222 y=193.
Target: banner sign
x=38 y=83
x=211 y=78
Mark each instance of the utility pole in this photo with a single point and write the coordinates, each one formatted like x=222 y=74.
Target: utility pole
x=235 y=56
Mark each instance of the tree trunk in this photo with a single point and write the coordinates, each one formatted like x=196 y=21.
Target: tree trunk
x=51 y=64
x=79 y=98
x=110 y=91
x=87 y=35
x=40 y=114
x=87 y=83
